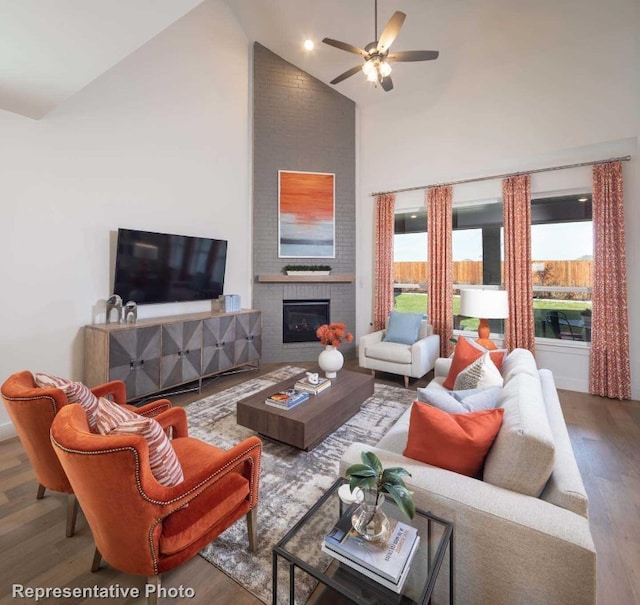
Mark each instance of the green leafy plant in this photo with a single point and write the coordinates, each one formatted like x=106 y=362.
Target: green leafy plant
x=306 y=268
x=371 y=475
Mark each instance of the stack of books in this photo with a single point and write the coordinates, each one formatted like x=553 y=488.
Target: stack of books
x=287 y=399
x=229 y=302
x=304 y=385
x=387 y=562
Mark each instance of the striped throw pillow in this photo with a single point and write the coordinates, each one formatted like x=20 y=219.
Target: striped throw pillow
x=76 y=392
x=113 y=419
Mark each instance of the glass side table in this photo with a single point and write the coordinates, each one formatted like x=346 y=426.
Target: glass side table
x=338 y=583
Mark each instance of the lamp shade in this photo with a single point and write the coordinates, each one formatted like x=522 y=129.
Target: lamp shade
x=486 y=304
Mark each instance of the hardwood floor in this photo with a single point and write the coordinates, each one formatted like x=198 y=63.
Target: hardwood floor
x=34 y=551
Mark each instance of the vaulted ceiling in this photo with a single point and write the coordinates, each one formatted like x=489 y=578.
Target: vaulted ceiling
x=51 y=50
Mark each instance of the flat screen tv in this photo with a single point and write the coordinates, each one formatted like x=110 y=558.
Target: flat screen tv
x=161 y=268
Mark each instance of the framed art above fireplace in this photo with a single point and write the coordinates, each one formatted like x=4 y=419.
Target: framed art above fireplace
x=306 y=214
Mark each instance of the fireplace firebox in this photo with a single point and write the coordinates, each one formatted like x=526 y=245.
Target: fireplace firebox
x=301 y=319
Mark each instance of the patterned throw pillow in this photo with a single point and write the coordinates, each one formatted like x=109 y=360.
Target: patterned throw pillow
x=76 y=392
x=481 y=373
x=466 y=352
x=113 y=419
x=497 y=355
x=463 y=355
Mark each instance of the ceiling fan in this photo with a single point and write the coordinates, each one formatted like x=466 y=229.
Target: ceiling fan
x=376 y=55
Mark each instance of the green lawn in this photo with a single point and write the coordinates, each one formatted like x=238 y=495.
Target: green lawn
x=409 y=302
x=416 y=302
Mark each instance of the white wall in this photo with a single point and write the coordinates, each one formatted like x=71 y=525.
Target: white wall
x=549 y=84
x=160 y=142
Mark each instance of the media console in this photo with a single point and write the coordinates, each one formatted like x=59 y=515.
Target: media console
x=155 y=355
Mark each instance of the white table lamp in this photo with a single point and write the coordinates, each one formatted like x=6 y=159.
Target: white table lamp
x=484 y=304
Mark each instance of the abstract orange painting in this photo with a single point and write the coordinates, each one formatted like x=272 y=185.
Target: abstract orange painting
x=306 y=206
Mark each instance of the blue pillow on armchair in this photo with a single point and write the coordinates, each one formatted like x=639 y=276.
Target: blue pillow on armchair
x=403 y=328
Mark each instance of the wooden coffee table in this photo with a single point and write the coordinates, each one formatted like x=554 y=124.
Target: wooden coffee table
x=307 y=424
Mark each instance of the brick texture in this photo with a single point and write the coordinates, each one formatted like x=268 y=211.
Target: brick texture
x=299 y=123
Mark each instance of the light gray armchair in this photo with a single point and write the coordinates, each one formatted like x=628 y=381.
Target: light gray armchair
x=410 y=361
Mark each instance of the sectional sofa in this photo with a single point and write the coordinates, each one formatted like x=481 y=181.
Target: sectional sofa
x=521 y=534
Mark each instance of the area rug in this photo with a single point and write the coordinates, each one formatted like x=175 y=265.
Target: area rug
x=291 y=480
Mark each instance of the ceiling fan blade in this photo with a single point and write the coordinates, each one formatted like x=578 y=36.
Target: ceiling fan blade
x=386 y=83
x=344 y=46
x=414 y=55
x=390 y=31
x=347 y=74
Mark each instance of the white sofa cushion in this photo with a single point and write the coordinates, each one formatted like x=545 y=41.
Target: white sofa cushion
x=389 y=351
x=519 y=361
x=395 y=439
x=565 y=487
x=521 y=458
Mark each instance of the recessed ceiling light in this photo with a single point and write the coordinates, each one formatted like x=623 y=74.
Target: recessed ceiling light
x=308 y=44
x=414 y=216
x=583 y=199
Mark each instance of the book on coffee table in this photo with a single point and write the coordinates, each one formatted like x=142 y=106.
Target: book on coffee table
x=386 y=561
x=304 y=385
x=287 y=399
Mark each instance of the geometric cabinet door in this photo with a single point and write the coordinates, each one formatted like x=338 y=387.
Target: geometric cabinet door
x=218 y=341
x=134 y=357
x=248 y=345
x=160 y=354
x=181 y=353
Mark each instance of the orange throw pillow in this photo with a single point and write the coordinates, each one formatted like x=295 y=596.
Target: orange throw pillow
x=497 y=355
x=456 y=442
x=465 y=353
x=463 y=356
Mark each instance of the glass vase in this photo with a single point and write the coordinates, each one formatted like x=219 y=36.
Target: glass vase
x=369 y=519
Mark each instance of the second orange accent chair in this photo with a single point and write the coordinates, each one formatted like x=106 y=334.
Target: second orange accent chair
x=140 y=526
x=32 y=410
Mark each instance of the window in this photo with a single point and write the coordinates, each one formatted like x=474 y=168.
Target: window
x=561 y=253
x=477 y=256
x=562 y=262
x=410 y=261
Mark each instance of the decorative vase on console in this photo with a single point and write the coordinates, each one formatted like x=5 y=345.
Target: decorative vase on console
x=331 y=336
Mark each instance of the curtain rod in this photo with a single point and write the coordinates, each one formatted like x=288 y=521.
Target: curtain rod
x=625 y=158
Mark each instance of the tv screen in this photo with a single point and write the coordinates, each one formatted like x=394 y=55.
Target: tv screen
x=160 y=268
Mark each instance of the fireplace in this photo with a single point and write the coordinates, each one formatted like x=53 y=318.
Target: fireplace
x=301 y=319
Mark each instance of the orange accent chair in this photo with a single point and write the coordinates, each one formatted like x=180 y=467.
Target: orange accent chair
x=32 y=410
x=140 y=526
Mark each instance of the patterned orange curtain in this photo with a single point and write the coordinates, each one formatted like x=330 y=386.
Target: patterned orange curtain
x=610 y=374
x=383 y=285
x=518 y=279
x=439 y=231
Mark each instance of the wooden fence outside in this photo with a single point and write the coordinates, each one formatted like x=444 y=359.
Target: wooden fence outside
x=567 y=273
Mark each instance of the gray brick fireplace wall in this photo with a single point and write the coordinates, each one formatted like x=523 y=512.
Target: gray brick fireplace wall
x=299 y=123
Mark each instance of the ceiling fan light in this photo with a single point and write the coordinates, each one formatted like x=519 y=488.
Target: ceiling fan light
x=385 y=69
x=369 y=69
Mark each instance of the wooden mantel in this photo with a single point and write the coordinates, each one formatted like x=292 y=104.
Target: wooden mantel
x=279 y=277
